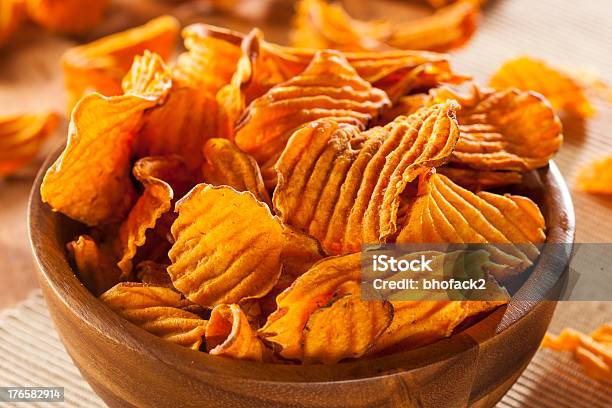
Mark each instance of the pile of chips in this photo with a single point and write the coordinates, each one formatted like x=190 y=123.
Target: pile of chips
x=228 y=196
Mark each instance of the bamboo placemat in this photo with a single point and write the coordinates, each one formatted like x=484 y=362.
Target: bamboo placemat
x=34 y=356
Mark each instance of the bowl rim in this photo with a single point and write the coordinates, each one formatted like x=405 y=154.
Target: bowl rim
x=63 y=282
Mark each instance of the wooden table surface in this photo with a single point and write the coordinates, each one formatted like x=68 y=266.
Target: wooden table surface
x=559 y=31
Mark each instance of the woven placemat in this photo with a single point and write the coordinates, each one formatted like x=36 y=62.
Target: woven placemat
x=33 y=356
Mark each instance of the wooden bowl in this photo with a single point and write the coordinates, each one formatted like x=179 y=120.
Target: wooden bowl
x=128 y=367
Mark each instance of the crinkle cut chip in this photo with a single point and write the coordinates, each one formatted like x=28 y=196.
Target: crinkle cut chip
x=227 y=246
x=226 y=164
x=229 y=334
x=90 y=181
x=343 y=186
x=444 y=212
x=21 y=138
x=395 y=72
x=101 y=65
x=504 y=130
x=347 y=328
x=311 y=291
x=153 y=203
x=158 y=310
x=529 y=74
x=181 y=124
x=507 y=130
x=328 y=87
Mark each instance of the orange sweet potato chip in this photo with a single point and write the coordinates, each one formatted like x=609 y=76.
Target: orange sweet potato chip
x=155 y=201
x=95 y=264
x=229 y=334
x=12 y=14
x=417 y=323
x=446 y=212
x=343 y=187
x=159 y=311
x=90 y=181
x=172 y=169
x=178 y=126
x=21 y=137
x=396 y=72
x=100 y=65
x=66 y=16
x=311 y=291
x=227 y=246
x=505 y=130
x=596 y=177
x=328 y=87
x=347 y=328
x=321 y=25
x=225 y=164
x=449 y=27
x=593 y=352
x=232 y=98
x=529 y=74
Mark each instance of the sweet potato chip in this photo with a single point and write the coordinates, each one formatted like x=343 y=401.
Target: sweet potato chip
x=321 y=25
x=227 y=246
x=12 y=14
x=444 y=212
x=178 y=126
x=172 y=169
x=154 y=274
x=346 y=328
x=477 y=180
x=593 y=352
x=95 y=264
x=596 y=177
x=231 y=99
x=229 y=334
x=417 y=323
x=157 y=310
x=155 y=201
x=529 y=74
x=395 y=72
x=21 y=137
x=343 y=187
x=328 y=87
x=311 y=291
x=100 y=65
x=449 y=27
x=90 y=181
x=225 y=164
x=66 y=16
x=505 y=130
